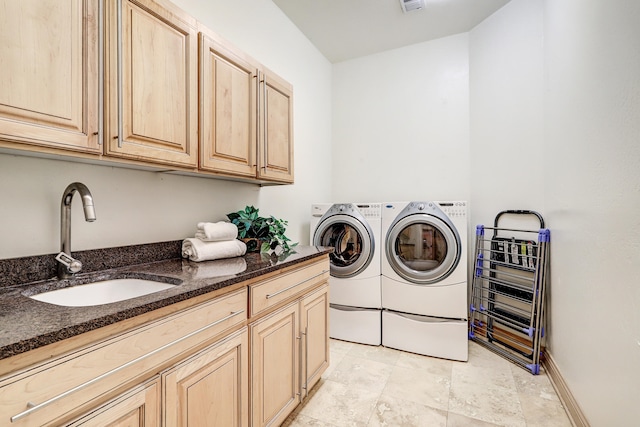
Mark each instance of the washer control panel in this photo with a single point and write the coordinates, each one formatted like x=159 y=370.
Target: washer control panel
x=455 y=209
x=370 y=210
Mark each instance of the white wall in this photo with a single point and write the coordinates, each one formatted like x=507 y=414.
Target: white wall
x=560 y=79
x=141 y=207
x=592 y=196
x=506 y=102
x=400 y=124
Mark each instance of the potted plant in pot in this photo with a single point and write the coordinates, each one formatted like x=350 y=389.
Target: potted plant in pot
x=262 y=234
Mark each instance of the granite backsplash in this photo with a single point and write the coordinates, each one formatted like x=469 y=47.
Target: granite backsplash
x=16 y=271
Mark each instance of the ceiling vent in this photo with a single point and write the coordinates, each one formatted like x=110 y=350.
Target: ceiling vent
x=411 y=5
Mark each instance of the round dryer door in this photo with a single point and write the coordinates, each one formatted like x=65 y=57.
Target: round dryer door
x=422 y=249
x=351 y=241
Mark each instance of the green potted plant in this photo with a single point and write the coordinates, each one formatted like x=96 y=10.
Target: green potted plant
x=262 y=234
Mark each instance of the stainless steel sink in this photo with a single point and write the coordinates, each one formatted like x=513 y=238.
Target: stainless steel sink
x=101 y=292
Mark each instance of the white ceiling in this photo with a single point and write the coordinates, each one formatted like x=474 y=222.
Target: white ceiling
x=347 y=29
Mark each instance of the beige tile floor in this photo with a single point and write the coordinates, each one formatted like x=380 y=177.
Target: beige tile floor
x=377 y=386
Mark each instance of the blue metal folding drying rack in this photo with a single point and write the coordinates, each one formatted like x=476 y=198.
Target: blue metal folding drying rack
x=507 y=310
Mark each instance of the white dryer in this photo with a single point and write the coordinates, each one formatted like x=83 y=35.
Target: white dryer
x=354 y=232
x=424 y=278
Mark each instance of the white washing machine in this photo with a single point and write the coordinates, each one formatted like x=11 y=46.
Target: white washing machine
x=424 y=278
x=354 y=232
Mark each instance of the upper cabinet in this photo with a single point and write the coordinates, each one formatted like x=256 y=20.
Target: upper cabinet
x=228 y=121
x=275 y=146
x=151 y=83
x=130 y=81
x=49 y=74
x=246 y=122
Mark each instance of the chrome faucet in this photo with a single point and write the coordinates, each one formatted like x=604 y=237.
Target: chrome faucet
x=67 y=264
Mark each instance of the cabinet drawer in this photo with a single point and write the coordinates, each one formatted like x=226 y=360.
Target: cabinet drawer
x=59 y=388
x=268 y=293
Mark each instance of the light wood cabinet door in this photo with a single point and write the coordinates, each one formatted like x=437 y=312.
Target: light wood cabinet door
x=275 y=361
x=210 y=388
x=139 y=407
x=228 y=89
x=152 y=83
x=275 y=146
x=49 y=74
x=314 y=319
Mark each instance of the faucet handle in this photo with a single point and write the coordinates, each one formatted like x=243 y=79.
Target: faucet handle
x=72 y=264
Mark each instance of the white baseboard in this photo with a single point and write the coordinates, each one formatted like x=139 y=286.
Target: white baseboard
x=566 y=397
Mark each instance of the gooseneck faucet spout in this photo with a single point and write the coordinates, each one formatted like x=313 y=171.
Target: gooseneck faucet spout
x=68 y=265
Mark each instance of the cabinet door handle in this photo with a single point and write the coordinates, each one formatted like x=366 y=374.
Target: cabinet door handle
x=256 y=122
x=36 y=407
x=268 y=296
x=305 y=377
x=300 y=380
x=119 y=70
x=100 y=132
x=264 y=122
x=306 y=358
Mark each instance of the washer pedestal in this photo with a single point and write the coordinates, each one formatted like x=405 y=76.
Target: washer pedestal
x=359 y=325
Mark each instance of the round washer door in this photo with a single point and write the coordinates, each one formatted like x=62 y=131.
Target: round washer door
x=352 y=244
x=422 y=248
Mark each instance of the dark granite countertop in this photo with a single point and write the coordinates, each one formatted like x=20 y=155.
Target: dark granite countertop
x=27 y=324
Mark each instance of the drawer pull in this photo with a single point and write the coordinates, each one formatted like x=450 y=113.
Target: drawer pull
x=33 y=407
x=297 y=284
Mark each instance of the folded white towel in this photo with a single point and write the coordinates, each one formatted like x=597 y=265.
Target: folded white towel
x=197 y=250
x=216 y=231
x=217 y=268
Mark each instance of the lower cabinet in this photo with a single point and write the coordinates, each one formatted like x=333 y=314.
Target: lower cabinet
x=208 y=364
x=210 y=388
x=160 y=373
x=314 y=321
x=275 y=366
x=289 y=352
x=139 y=407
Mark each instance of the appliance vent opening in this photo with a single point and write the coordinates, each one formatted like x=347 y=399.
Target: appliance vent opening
x=411 y=5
